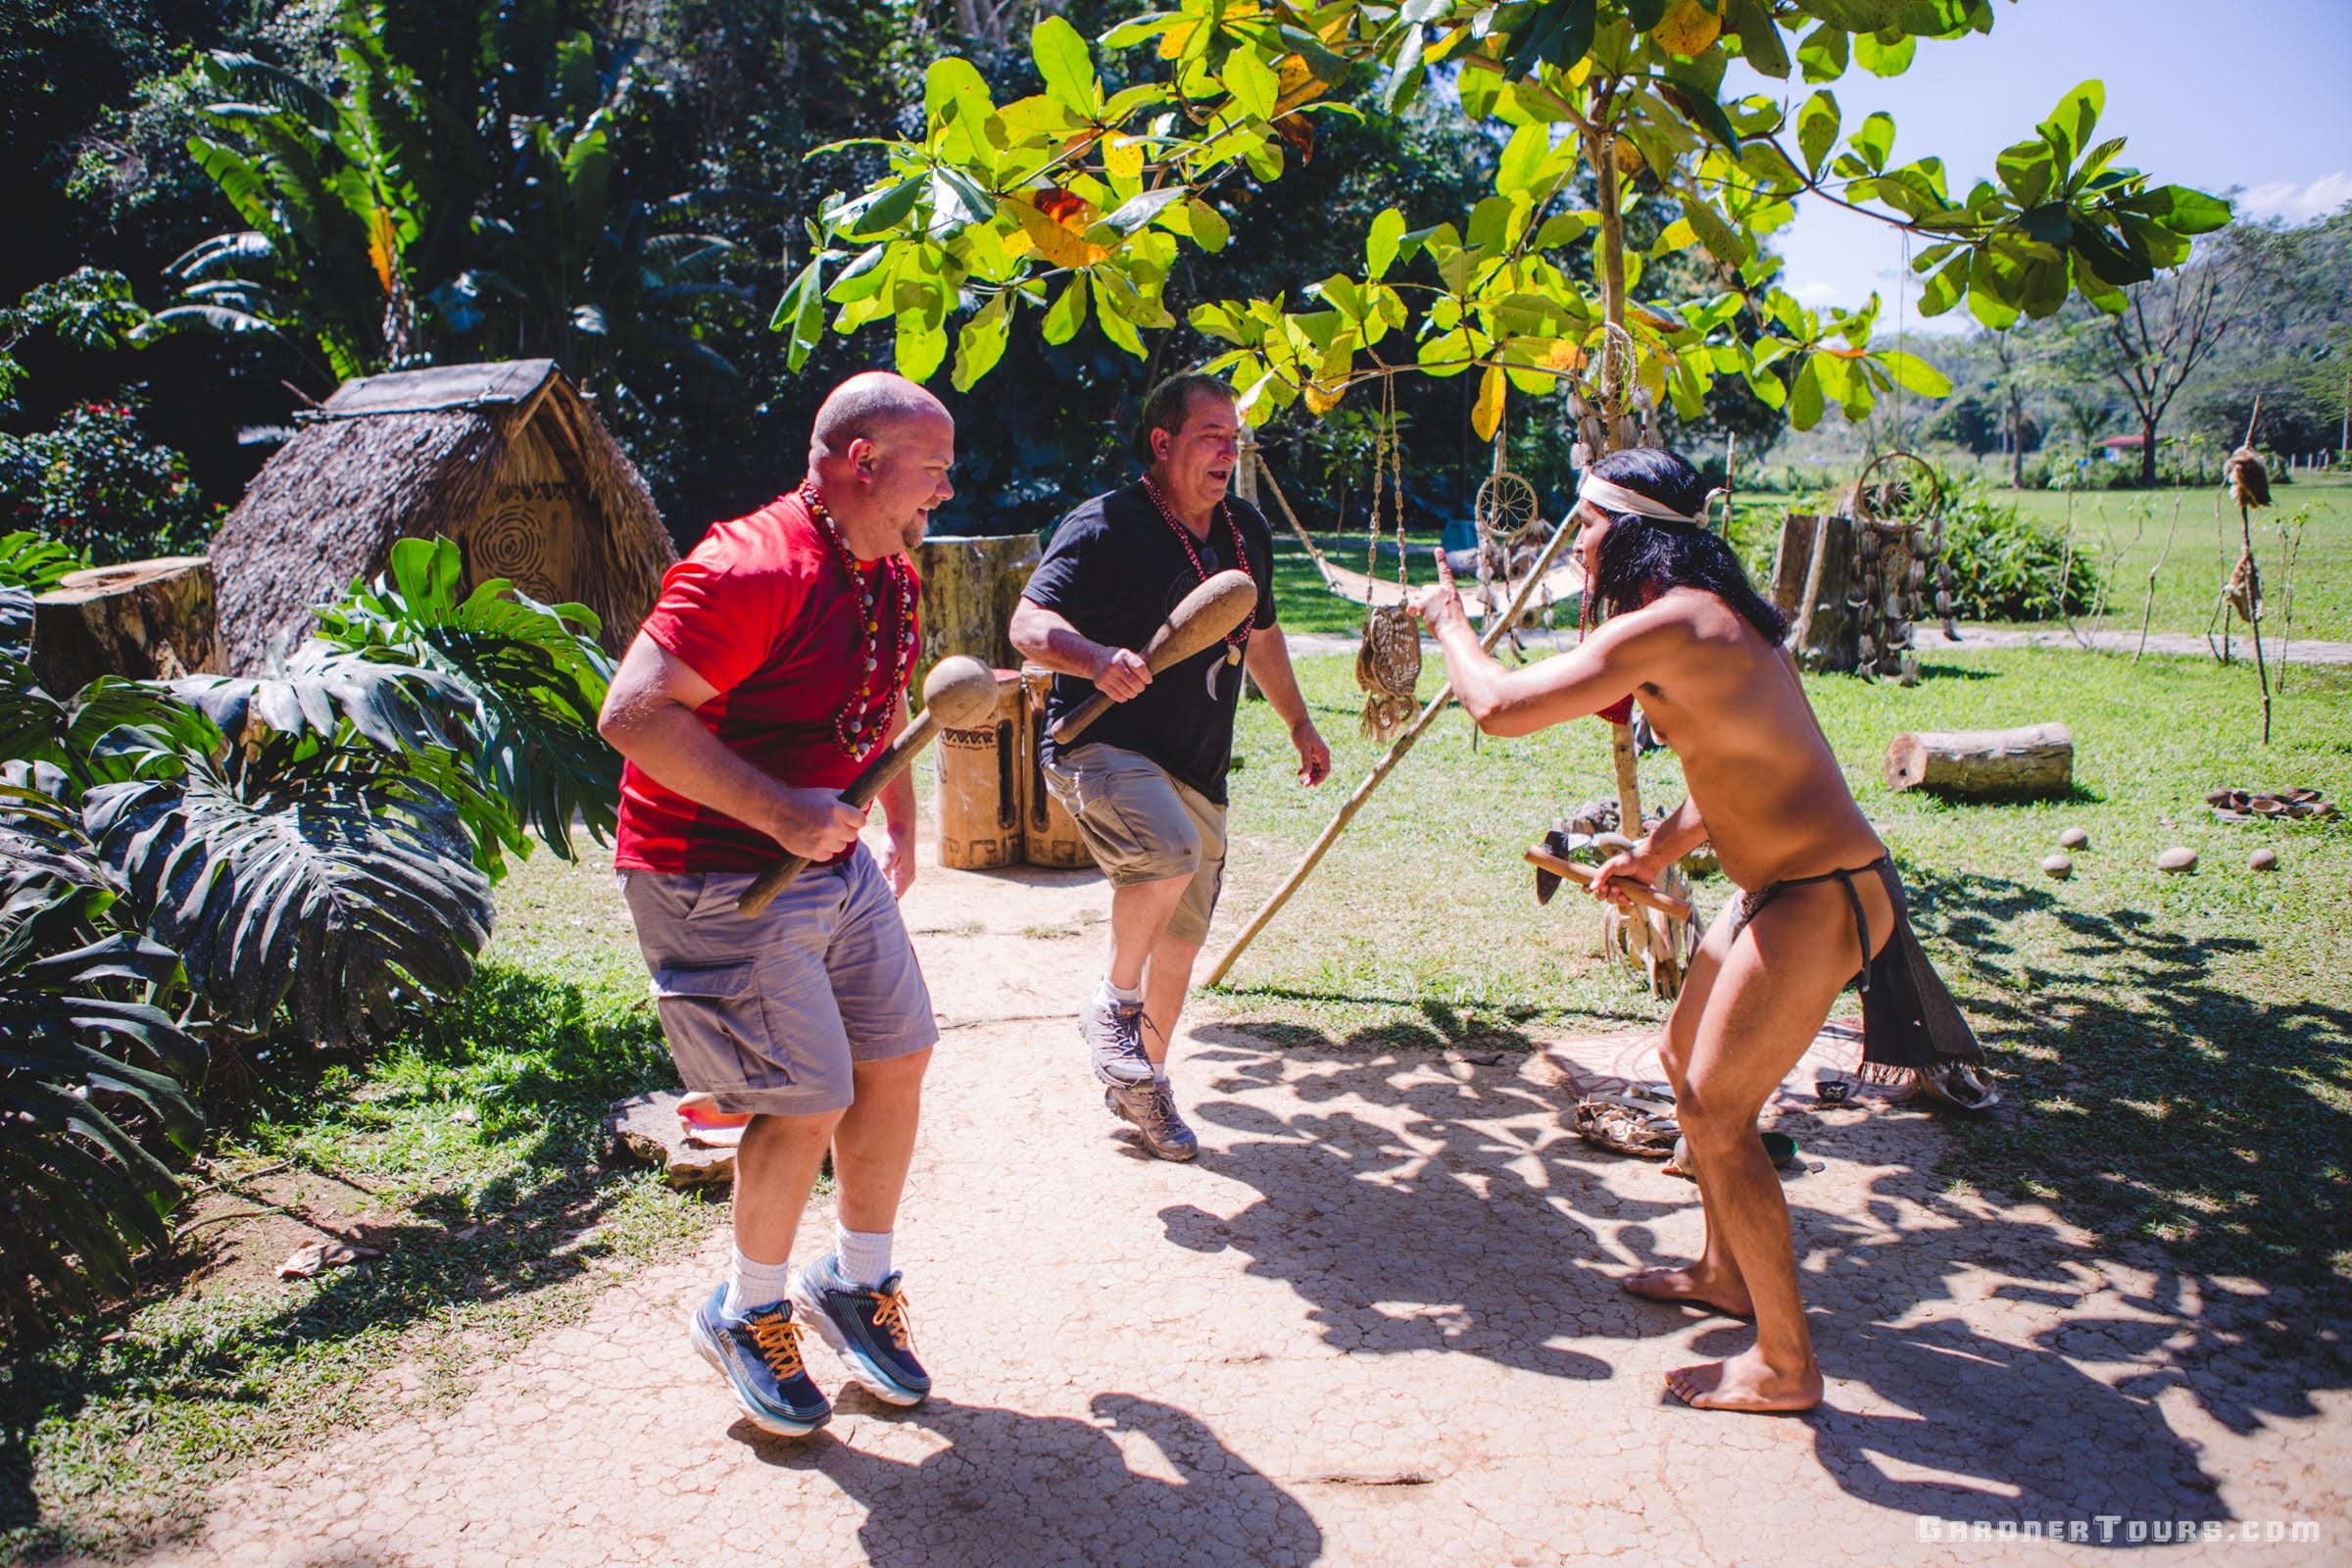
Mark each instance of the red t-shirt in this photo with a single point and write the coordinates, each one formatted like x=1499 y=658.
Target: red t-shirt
x=762 y=610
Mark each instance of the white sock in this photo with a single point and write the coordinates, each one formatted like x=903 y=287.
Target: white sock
x=1160 y=1073
x=863 y=1255
x=1127 y=994
x=753 y=1285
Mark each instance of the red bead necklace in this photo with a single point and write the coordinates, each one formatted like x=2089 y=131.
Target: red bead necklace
x=1238 y=637
x=865 y=718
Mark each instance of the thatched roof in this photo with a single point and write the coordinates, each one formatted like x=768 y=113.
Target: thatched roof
x=420 y=453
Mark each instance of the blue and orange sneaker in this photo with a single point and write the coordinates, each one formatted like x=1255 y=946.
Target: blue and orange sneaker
x=760 y=1359
x=866 y=1328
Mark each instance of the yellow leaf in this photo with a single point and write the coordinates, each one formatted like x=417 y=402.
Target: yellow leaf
x=1688 y=27
x=1486 y=416
x=1172 y=41
x=1061 y=238
x=382 y=246
x=1296 y=85
x=1322 y=400
x=1123 y=157
x=1018 y=244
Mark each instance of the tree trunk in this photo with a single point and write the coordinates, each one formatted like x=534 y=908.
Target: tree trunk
x=1824 y=631
x=2017 y=441
x=2147 y=452
x=970 y=589
x=1790 y=561
x=143 y=619
x=1983 y=764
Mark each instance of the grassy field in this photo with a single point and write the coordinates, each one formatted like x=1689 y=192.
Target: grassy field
x=2190 y=537
x=2177 y=1051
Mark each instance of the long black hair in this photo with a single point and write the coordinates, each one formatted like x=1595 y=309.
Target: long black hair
x=1641 y=557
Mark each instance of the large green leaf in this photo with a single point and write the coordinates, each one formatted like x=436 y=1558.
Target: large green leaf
x=303 y=876
x=88 y=1064
x=535 y=674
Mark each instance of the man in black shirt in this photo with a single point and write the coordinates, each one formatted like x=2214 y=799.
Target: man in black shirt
x=1145 y=783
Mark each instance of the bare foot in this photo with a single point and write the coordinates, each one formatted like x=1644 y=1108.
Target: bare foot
x=1691 y=1288
x=1744 y=1383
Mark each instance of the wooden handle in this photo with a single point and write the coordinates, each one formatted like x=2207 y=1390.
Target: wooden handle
x=888 y=765
x=1665 y=903
x=1206 y=616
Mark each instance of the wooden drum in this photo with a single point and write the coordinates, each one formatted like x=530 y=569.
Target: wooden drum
x=983 y=785
x=1052 y=837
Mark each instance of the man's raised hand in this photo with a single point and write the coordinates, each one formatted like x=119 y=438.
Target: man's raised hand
x=1440 y=607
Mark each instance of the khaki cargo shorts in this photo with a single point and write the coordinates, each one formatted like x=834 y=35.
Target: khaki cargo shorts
x=1145 y=826
x=768 y=1012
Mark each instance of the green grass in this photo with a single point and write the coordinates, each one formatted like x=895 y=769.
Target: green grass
x=2130 y=528
x=2177 y=1051
x=473 y=1151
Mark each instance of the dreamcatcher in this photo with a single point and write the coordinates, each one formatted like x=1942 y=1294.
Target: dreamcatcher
x=1388 y=664
x=1898 y=544
x=1510 y=536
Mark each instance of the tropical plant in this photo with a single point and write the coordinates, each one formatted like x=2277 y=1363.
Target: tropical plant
x=2007 y=567
x=89 y=1065
x=1078 y=199
x=455 y=193
x=87 y=309
x=533 y=673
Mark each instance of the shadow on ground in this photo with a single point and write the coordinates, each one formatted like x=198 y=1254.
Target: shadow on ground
x=1473 y=1224
x=1010 y=1488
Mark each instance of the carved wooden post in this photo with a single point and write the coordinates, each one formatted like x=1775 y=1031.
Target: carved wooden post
x=971 y=585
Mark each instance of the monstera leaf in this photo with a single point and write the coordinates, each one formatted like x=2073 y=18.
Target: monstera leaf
x=535 y=672
x=67 y=732
x=87 y=1063
x=304 y=875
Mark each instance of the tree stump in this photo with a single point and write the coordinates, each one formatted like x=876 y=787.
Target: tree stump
x=143 y=619
x=1813 y=583
x=1983 y=764
x=970 y=588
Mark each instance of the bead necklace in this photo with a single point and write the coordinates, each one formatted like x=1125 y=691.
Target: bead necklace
x=860 y=725
x=1238 y=638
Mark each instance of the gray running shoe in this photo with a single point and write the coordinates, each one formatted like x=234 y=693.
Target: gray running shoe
x=1113 y=1033
x=1153 y=1110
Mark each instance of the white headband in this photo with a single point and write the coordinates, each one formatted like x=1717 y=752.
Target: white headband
x=1617 y=498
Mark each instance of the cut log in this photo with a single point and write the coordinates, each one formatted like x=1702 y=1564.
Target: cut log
x=972 y=586
x=1791 y=561
x=143 y=619
x=1983 y=764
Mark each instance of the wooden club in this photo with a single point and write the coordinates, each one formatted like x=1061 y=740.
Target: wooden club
x=1206 y=616
x=958 y=694
x=1543 y=859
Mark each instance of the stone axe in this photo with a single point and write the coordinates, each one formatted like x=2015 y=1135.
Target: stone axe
x=1550 y=868
x=1206 y=616
x=958 y=694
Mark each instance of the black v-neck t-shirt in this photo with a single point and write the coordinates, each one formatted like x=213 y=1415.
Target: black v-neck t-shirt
x=1115 y=570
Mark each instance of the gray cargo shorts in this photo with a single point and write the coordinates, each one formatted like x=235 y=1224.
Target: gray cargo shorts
x=1144 y=825
x=768 y=1012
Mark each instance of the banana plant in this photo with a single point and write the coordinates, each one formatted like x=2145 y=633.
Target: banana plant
x=91 y=1070
x=1074 y=198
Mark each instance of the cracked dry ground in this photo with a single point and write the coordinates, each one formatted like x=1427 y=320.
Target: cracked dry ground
x=1375 y=1324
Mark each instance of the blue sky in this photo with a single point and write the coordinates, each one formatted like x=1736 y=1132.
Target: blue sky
x=2251 y=93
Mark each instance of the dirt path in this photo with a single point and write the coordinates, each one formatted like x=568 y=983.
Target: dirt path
x=1375 y=1324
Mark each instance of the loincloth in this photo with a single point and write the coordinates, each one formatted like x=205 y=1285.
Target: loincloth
x=1909 y=1020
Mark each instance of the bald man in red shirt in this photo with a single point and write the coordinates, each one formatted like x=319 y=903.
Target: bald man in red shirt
x=771 y=668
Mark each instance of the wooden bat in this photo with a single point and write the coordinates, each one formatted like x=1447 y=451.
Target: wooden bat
x=1543 y=859
x=1206 y=616
x=958 y=694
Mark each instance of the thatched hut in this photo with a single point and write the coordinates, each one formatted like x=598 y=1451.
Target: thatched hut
x=507 y=459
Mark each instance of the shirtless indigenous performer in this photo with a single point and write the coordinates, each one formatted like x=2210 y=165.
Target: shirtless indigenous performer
x=1690 y=638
